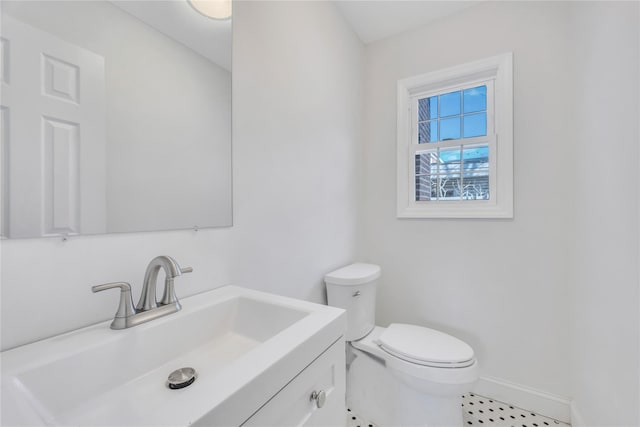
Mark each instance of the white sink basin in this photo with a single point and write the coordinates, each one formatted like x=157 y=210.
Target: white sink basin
x=245 y=345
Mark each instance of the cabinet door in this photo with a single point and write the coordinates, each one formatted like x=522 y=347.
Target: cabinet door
x=293 y=405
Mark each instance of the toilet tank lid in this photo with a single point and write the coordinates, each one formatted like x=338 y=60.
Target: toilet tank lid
x=353 y=274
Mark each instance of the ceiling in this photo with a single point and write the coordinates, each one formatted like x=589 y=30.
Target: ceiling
x=178 y=20
x=374 y=20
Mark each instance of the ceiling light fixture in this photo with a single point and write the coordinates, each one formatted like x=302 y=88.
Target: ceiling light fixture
x=214 y=9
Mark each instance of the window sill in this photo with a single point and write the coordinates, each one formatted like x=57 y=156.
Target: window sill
x=457 y=210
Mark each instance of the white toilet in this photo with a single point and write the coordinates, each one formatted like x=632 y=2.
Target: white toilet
x=403 y=375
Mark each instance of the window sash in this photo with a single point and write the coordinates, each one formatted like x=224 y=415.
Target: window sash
x=415 y=97
x=489 y=140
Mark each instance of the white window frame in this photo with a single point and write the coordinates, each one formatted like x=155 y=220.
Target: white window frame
x=496 y=71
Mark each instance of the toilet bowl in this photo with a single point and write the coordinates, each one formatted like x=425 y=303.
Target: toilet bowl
x=401 y=375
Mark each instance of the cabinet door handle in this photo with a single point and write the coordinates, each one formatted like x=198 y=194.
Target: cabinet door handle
x=320 y=397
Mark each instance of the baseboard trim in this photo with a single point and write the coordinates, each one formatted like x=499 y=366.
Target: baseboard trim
x=540 y=402
x=576 y=418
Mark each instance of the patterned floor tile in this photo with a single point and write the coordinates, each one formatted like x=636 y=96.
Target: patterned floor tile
x=482 y=411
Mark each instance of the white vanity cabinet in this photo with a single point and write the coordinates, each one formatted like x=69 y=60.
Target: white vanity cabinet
x=259 y=357
x=294 y=405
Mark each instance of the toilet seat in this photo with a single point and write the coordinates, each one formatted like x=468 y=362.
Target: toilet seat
x=417 y=371
x=424 y=346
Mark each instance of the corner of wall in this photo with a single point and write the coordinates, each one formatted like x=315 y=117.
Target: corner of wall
x=576 y=418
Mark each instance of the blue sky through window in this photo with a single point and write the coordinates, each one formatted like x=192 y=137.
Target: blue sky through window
x=453 y=115
x=468 y=154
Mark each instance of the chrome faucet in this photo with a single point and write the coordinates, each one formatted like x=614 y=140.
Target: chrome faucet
x=148 y=307
x=171 y=271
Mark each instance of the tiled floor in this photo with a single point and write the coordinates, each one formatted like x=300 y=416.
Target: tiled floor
x=354 y=420
x=478 y=410
x=481 y=411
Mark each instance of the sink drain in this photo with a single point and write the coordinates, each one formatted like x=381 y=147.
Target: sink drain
x=181 y=378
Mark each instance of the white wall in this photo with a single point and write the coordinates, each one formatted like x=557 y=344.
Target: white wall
x=549 y=300
x=168 y=117
x=500 y=285
x=296 y=105
x=605 y=360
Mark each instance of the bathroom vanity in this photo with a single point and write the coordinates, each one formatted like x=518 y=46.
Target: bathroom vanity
x=260 y=359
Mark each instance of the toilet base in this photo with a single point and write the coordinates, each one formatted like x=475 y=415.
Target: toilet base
x=377 y=395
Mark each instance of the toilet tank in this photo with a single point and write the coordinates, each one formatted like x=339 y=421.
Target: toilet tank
x=353 y=288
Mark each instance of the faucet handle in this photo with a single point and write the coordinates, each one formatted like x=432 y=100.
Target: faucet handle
x=169 y=296
x=125 y=307
x=124 y=286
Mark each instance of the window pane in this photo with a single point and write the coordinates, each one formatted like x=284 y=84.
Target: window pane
x=478 y=153
x=449 y=160
x=475 y=125
x=475 y=186
x=425 y=163
x=475 y=180
x=428 y=132
x=450 y=104
x=450 y=128
x=423 y=188
x=475 y=99
x=426 y=181
x=428 y=108
x=448 y=187
x=434 y=187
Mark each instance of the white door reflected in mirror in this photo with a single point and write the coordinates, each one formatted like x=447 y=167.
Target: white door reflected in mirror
x=110 y=123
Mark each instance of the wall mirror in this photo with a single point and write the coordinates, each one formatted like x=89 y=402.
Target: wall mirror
x=115 y=117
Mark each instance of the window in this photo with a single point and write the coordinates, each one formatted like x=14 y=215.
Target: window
x=455 y=142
